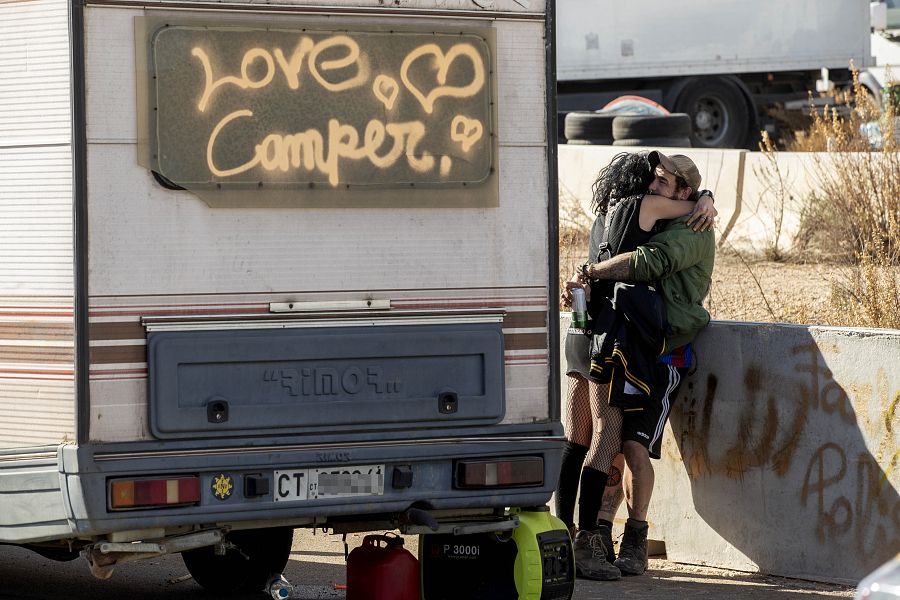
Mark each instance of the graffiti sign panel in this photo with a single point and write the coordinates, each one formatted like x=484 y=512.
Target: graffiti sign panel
x=251 y=106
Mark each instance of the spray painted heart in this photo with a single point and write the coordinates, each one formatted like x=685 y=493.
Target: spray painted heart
x=386 y=90
x=442 y=62
x=466 y=131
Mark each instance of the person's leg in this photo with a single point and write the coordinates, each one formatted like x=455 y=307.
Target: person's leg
x=612 y=499
x=606 y=444
x=639 y=485
x=642 y=435
x=614 y=492
x=579 y=426
x=579 y=417
x=593 y=543
x=632 y=559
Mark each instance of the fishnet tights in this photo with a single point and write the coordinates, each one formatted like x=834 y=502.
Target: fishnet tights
x=592 y=422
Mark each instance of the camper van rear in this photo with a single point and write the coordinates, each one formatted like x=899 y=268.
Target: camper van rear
x=286 y=267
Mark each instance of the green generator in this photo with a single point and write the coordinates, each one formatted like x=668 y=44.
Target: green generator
x=532 y=562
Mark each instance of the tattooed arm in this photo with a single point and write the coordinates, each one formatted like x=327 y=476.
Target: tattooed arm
x=618 y=268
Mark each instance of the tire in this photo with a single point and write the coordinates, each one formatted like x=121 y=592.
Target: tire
x=267 y=552
x=720 y=115
x=629 y=127
x=586 y=125
x=656 y=142
x=604 y=142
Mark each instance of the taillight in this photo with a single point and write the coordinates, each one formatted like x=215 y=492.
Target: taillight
x=506 y=472
x=148 y=493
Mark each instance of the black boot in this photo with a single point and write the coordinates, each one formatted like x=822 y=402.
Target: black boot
x=605 y=532
x=633 y=550
x=590 y=557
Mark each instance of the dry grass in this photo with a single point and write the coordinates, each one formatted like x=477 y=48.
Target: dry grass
x=856 y=205
x=574 y=234
x=870 y=295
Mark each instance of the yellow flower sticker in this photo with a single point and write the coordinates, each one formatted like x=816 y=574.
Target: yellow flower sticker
x=222 y=487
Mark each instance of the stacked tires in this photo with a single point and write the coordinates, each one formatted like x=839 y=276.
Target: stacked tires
x=616 y=129
x=589 y=127
x=672 y=130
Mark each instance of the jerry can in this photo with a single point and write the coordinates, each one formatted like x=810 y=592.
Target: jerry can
x=382 y=569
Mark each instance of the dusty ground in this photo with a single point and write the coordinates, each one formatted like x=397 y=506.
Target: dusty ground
x=318 y=571
x=753 y=290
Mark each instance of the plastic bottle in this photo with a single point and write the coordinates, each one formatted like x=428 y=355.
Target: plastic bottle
x=881 y=584
x=278 y=587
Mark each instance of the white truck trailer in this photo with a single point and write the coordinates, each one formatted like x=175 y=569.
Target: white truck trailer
x=725 y=63
x=267 y=266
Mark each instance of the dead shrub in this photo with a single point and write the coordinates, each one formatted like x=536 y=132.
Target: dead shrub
x=869 y=295
x=853 y=216
x=574 y=235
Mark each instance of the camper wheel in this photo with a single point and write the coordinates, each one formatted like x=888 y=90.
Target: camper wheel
x=254 y=555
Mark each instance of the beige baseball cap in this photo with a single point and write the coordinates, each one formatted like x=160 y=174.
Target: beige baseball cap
x=677 y=164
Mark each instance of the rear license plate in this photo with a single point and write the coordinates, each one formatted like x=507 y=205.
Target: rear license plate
x=336 y=482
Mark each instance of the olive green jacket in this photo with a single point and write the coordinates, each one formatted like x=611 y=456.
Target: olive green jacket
x=679 y=261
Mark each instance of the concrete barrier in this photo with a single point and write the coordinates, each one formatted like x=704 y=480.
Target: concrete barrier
x=781 y=453
x=759 y=196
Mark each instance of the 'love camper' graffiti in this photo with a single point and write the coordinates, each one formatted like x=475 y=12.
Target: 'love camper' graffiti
x=242 y=106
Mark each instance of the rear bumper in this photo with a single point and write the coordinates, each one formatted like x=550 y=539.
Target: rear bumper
x=87 y=470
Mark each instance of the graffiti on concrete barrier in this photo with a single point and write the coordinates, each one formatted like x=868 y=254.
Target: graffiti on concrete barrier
x=799 y=421
x=867 y=513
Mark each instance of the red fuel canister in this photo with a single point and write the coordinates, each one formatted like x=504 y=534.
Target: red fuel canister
x=382 y=569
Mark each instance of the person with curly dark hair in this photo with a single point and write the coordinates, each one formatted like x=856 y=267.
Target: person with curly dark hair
x=627 y=218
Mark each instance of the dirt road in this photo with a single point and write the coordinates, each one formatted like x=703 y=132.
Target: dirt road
x=317 y=569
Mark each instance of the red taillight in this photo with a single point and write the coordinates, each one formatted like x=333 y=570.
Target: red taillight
x=146 y=493
x=507 y=472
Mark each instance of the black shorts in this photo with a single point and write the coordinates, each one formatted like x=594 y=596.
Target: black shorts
x=645 y=419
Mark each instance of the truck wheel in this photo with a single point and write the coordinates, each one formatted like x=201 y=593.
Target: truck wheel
x=592 y=127
x=719 y=113
x=258 y=554
x=631 y=127
x=656 y=142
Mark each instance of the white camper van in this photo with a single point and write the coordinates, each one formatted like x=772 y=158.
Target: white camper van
x=267 y=266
